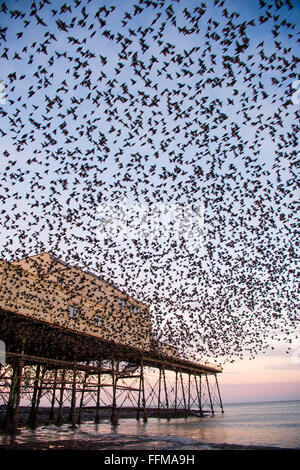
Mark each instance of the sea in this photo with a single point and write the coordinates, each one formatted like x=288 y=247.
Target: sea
x=264 y=425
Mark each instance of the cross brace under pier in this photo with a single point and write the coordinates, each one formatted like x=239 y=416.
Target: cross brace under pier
x=61 y=370
x=164 y=392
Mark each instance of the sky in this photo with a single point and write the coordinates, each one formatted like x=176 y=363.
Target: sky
x=101 y=105
x=269 y=377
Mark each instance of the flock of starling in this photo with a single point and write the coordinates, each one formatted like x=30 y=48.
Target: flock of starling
x=161 y=103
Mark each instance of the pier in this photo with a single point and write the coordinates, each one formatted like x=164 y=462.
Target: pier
x=75 y=343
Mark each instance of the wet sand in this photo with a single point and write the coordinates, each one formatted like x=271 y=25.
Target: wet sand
x=121 y=445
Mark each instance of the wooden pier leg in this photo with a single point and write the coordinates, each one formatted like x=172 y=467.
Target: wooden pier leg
x=81 y=398
x=210 y=400
x=97 y=417
x=114 y=413
x=220 y=399
x=166 y=393
x=176 y=392
x=145 y=417
x=51 y=414
x=61 y=398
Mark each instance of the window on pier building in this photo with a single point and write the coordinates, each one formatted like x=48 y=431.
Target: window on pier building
x=144 y=313
x=98 y=320
x=73 y=311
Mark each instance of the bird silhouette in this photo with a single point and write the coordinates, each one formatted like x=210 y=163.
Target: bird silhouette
x=175 y=109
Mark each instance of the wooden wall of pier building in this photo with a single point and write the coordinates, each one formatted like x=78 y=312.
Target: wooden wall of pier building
x=44 y=288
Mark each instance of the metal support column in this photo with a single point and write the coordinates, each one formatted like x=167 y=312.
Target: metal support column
x=114 y=414
x=183 y=393
x=39 y=394
x=34 y=395
x=73 y=402
x=145 y=417
x=176 y=391
x=189 y=394
x=210 y=400
x=17 y=392
x=81 y=398
x=221 y=404
x=97 y=417
x=166 y=393
x=159 y=392
x=51 y=414
x=61 y=397
x=139 y=397
x=198 y=394
x=11 y=398
x=200 y=390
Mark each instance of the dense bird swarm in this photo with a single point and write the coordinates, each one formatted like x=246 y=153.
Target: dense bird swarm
x=163 y=104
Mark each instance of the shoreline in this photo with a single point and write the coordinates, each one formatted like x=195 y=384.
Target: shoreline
x=88 y=414
x=109 y=439
x=129 y=444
